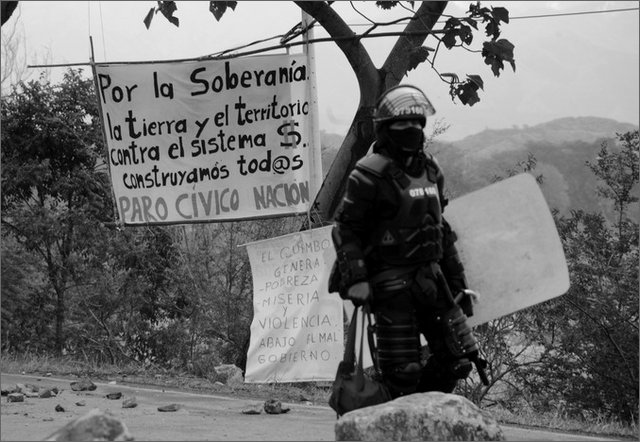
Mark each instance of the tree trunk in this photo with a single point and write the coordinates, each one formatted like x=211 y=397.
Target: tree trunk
x=59 y=321
x=7 y=10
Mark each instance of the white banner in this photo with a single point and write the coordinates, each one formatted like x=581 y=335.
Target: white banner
x=297 y=327
x=212 y=140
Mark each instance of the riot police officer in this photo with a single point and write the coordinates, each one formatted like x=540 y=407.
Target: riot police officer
x=396 y=252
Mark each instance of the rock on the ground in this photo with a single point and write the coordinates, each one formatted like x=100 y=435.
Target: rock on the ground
x=229 y=374
x=169 y=407
x=83 y=385
x=129 y=402
x=274 y=406
x=95 y=425
x=45 y=393
x=15 y=397
x=430 y=416
x=6 y=390
x=252 y=409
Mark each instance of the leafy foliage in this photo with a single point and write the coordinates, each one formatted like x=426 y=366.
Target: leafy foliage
x=597 y=340
x=491 y=17
x=467 y=91
x=495 y=53
x=54 y=191
x=459 y=32
x=168 y=9
x=219 y=8
x=578 y=354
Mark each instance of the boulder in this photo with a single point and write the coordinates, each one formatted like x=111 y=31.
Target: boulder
x=432 y=416
x=229 y=374
x=95 y=425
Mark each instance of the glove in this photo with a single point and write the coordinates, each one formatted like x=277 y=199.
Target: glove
x=359 y=293
x=466 y=299
x=475 y=296
x=458 y=336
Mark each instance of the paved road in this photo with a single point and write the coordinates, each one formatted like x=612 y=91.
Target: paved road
x=200 y=417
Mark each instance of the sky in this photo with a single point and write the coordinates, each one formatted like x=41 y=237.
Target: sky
x=571 y=59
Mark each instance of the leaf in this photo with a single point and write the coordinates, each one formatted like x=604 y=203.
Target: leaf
x=218 y=9
x=449 y=39
x=454 y=28
x=149 y=17
x=500 y=14
x=477 y=80
x=475 y=10
x=492 y=29
x=417 y=56
x=167 y=9
x=465 y=34
x=471 y=22
x=466 y=92
x=495 y=52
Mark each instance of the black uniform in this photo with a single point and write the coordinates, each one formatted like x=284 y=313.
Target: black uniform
x=389 y=231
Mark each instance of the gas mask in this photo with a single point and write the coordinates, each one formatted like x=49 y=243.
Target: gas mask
x=405 y=146
x=408 y=141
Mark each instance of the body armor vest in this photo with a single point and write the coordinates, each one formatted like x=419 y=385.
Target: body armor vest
x=414 y=234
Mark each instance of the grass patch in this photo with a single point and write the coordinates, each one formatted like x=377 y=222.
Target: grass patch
x=561 y=421
x=316 y=393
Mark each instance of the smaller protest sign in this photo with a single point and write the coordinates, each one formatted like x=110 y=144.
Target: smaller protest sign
x=297 y=327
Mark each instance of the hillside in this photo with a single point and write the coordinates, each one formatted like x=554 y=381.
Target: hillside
x=561 y=147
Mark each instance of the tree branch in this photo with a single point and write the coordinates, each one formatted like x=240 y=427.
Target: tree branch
x=397 y=63
x=354 y=51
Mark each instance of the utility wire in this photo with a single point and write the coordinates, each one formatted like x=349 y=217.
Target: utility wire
x=561 y=14
x=218 y=54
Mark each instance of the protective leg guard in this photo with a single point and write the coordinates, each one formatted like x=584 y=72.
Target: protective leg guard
x=399 y=357
x=452 y=347
x=440 y=375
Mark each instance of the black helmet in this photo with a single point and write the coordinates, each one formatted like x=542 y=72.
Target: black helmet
x=402 y=102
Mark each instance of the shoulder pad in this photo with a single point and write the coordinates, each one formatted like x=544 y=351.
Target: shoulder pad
x=375 y=163
x=432 y=161
x=433 y=168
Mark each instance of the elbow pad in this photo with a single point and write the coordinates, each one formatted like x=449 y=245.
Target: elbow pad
x=350 y=261
x=450 y=263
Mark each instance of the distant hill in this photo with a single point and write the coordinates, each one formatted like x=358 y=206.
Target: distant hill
x=561 y=148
